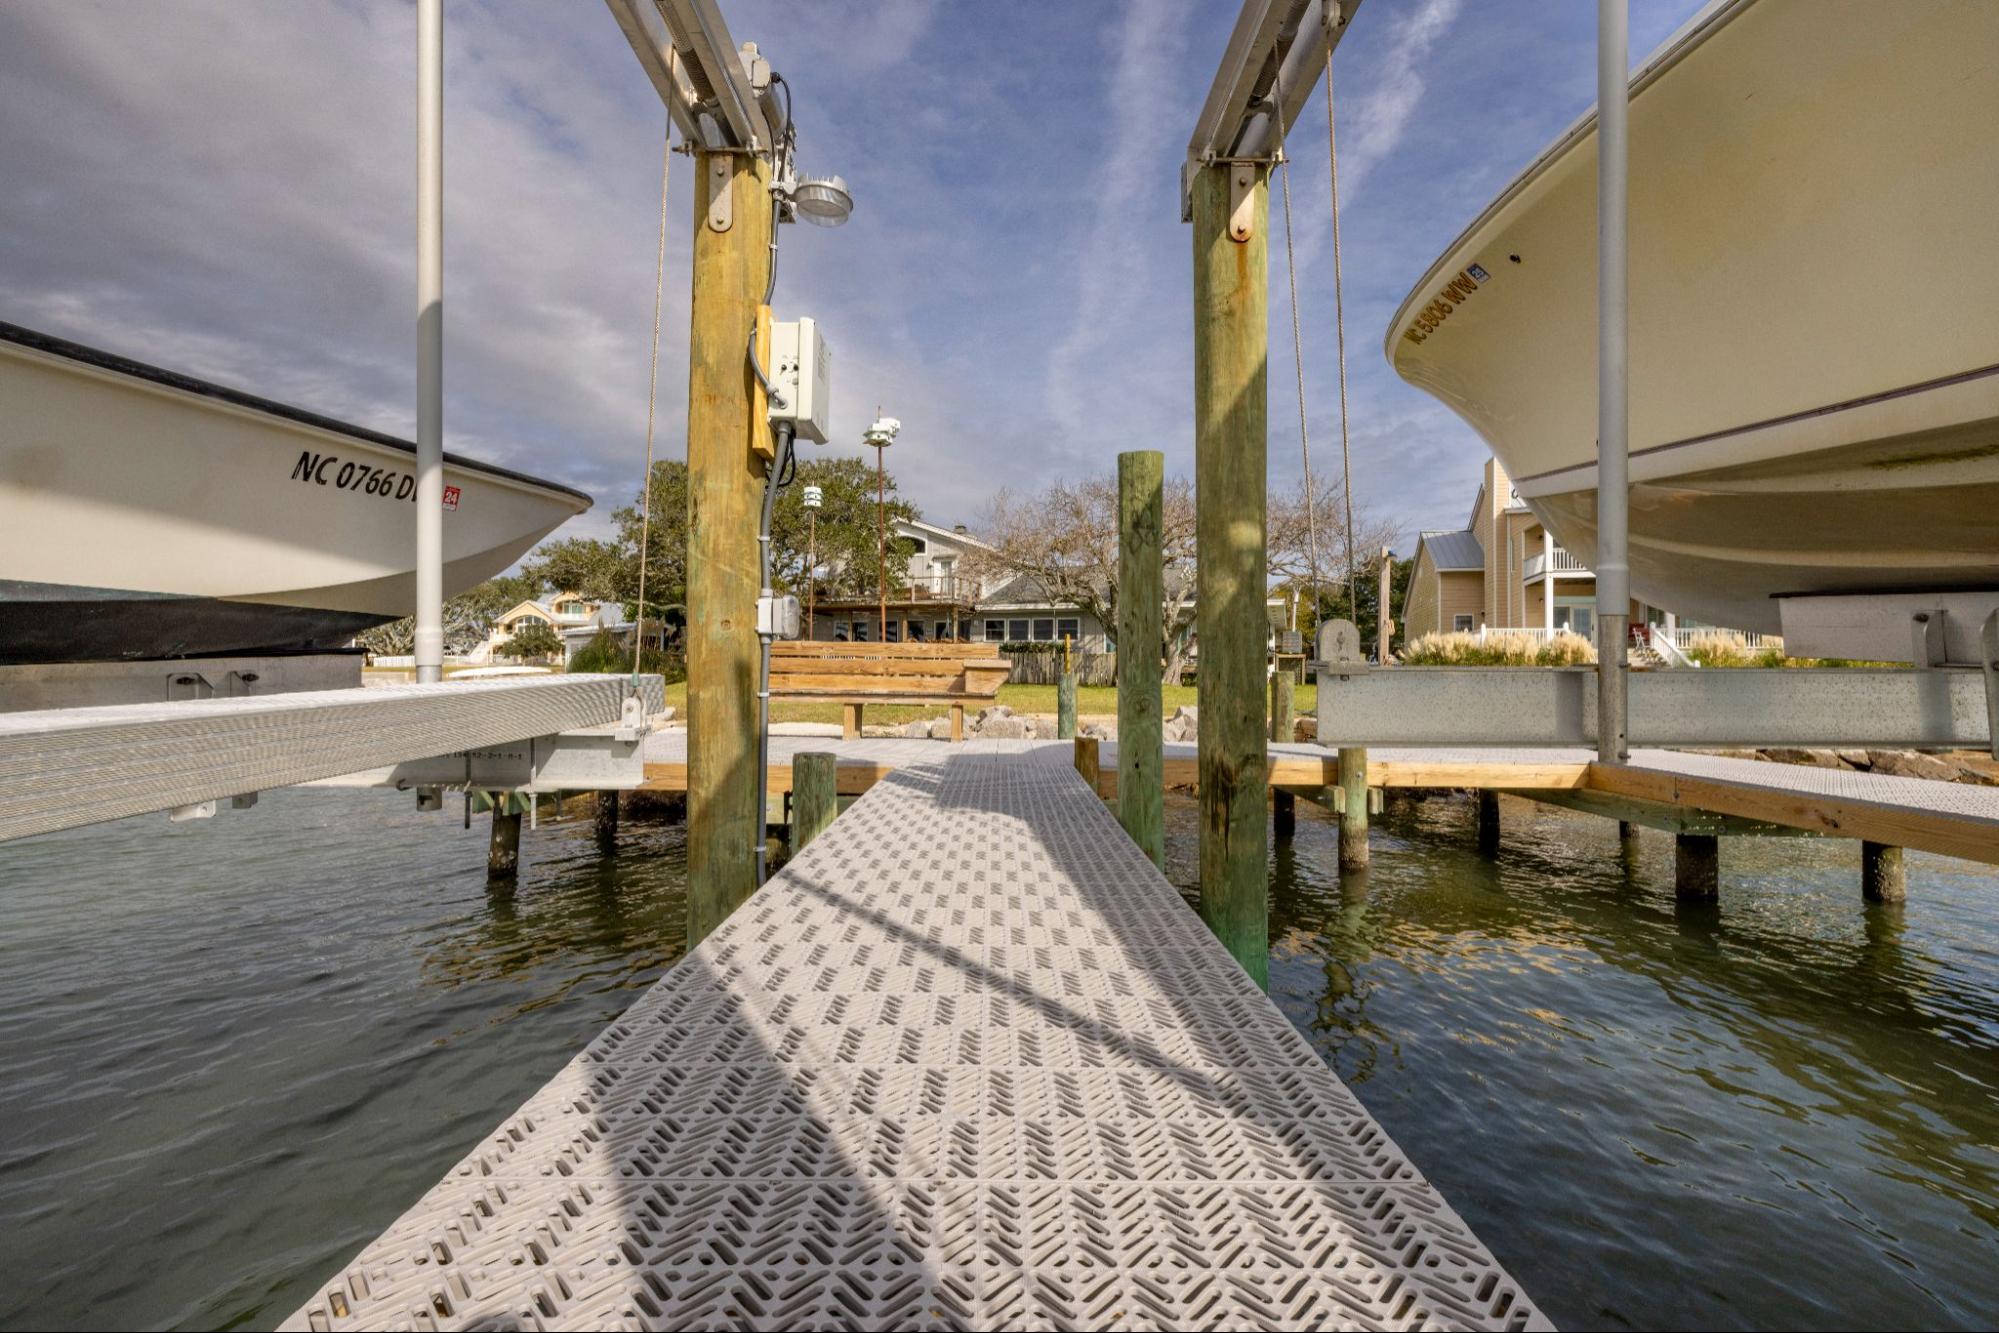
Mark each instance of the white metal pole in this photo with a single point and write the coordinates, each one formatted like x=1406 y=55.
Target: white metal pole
x=1613 y=483
x=429 y=340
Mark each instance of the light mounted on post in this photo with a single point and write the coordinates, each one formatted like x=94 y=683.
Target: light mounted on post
x=824 y=201
x=815 y=498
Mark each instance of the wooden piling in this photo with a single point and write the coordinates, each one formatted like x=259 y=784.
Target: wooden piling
x=1696 y=867
x=815 y=800
x=725 y=490
x=1088 y=762
x=606 y=822
x=1065 y=706
x=1283 y=718
x=1883 y=878
x=1488 y=821
x=1231 y=420
x=1141 y=478
x=1353 y=807
x=1283 y=813
x=503 y=848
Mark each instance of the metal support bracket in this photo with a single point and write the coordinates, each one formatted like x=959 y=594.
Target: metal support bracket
x=721 y=194
x=1242 y=201
x=1926 y=630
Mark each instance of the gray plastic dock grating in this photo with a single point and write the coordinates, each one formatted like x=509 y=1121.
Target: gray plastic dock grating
x=968 y=1062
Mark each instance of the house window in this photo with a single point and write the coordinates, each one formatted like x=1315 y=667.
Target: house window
x=892 y=632
x=1461 y=622
x=863 y=631
x=995 y=631
x=941 y=632
x=1069 y=629
x=1017 y=631
x=1575 y=618
x=918 y=545
x=1044 y=630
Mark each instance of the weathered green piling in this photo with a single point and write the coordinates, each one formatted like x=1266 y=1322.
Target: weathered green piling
x=814 y=797
x=503 y=848
x=1065 y=706
x=1696 y=867
x=1231 y=213
x=1883 y=878
x=1283 y=718
x=1141 y=793
x=1488 y=821
x=1353 y=807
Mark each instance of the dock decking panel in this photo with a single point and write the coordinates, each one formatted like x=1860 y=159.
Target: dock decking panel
x=968 y=1061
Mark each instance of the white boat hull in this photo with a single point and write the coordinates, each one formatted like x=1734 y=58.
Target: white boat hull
x=146 y=515
x=1814 y=311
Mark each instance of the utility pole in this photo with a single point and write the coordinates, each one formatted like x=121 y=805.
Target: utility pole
x=1384 y=623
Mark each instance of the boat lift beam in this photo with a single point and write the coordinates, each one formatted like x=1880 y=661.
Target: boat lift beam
x=1270 y=35
x=685 y=48
x=1832 y=707
x=61 y=768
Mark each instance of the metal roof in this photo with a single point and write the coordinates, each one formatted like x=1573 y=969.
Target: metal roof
x=1454 y=550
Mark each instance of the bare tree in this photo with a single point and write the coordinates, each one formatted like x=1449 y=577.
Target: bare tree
x=1064 y=541
x=1311 y=557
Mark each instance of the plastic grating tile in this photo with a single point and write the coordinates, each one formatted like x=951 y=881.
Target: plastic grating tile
x=969 y=1062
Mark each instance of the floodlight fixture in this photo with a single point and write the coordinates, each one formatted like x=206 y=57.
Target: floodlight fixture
x=824 y=201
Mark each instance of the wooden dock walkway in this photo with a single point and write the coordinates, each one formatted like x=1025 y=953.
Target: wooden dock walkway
x=967 y=1062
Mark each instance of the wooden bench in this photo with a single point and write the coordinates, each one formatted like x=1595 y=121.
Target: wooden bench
x=855 y=675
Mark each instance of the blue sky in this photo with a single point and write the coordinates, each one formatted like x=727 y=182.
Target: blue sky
x=228 y=190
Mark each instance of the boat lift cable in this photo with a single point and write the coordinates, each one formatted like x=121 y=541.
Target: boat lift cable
x=652 y=400
x=1340 y=333
x=1297 y=352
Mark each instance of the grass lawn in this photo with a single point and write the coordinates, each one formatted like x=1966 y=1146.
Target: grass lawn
x=1091 y=701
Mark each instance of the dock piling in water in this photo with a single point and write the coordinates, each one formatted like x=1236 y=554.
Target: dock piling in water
x=1141 y=591
x=1353 y=807
x=1696 y=867
x=725 y=480
x=1488 y=821
x=1883 y=878
x=1231 y=215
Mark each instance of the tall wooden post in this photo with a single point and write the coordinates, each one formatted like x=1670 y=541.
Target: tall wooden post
x=1231 y=211
x=1087 y=762
x=725 y=490
x=1065 y=705
x=1141 y=795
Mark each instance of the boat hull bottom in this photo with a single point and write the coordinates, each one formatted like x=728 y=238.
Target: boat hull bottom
x=1727 y=556
x=44 y=622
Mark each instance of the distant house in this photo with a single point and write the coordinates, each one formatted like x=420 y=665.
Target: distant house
x=565 y=611
x=934 y=603
x=1022 y=611
x=1504 y=570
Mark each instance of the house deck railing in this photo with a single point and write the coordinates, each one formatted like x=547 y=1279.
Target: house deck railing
x=1537 y=565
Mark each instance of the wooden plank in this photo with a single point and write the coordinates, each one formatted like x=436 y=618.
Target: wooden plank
x=886 y=651
x=1943 y=832
x=1541 y=775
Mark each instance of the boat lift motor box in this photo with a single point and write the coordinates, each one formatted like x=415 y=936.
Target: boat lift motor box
x=802 y=370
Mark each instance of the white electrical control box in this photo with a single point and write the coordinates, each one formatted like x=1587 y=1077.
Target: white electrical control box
x=778 y=616
x=801 y=368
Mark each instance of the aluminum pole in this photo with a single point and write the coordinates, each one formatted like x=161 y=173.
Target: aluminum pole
x=429 y=341
x=1613 y=373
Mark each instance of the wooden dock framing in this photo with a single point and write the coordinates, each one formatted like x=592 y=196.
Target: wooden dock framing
x=968 y=1061
x=1950 y=819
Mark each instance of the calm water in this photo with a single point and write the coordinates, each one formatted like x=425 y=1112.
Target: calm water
x=231 y=1053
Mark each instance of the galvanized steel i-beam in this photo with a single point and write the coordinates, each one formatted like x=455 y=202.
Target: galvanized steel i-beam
x=65 y=767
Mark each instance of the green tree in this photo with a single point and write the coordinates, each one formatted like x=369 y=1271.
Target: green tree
x=531 y=638
x=609 y=569
x=848 y=565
